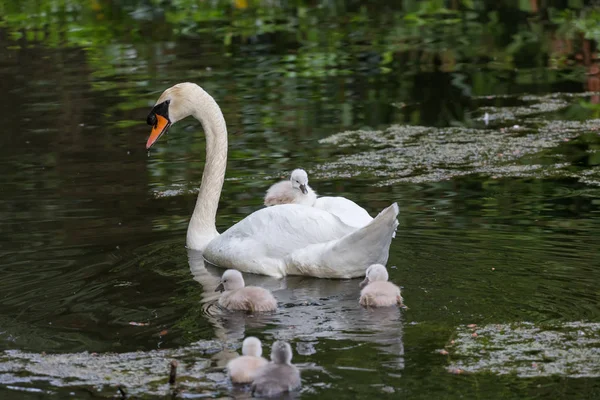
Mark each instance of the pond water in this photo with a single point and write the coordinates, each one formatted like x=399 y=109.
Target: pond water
x=480 y=120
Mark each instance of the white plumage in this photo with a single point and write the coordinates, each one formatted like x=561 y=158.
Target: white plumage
x=297 y=191
x=293 y=191
x=276 y=241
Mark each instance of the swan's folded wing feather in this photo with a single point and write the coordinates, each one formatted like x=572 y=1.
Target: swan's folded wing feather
x=348 y=211
x=350 y=256
x=260 y=242
x=293 y=239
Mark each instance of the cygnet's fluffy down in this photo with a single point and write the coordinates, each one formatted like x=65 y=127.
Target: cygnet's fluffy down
x=294 y=191
x=243 y=369
x=237 y=296
x=278 y=376
x=297 y=191
x=377 y=291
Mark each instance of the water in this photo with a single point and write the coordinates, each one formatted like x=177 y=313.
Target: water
x=499 y=222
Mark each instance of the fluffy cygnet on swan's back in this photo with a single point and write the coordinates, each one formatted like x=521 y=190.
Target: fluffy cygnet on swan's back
x=278 y=376
x=237 y=296
x=243 y=369
x=294 y=191
x=297 y=191
x=377 y=291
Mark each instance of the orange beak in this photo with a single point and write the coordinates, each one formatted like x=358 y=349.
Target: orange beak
x=161 y=126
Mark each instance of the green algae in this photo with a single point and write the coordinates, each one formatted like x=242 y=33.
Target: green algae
x=406 y=153
x=527 y=350
x=137 y=373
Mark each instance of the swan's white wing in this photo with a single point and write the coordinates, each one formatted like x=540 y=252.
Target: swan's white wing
x=260 y=242
x=348 y=211
x=349 y=256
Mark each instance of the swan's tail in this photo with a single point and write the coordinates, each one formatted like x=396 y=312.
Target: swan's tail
x=351 y=255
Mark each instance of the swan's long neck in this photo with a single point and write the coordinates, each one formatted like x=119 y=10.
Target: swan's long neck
x=202 y=228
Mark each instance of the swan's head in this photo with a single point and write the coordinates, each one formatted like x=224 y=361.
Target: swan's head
x=252 y=347
x=281 y=352
x=375 y=272
x=174 y=104
x=231 y=280
x=299 y=180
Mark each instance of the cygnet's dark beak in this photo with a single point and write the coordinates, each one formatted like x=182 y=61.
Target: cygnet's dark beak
x=303 y=188
x=220 y=288
x=364 y=283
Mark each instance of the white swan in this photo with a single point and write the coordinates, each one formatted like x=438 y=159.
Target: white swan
x=297 y=191
x=294 y=191
x=284 y=240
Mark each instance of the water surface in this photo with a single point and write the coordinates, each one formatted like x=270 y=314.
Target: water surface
x=499 y=222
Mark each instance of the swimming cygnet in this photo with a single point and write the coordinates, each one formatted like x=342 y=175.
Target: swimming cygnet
x=278 y=376
x=243 y=369
x=237 y=297
x=377 y=291
x=294 y=191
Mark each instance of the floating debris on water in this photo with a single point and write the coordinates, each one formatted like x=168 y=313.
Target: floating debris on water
x=416 y=154
x=527 y=350
x=148 y=373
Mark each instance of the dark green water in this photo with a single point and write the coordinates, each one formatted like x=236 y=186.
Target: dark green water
x=499 y=223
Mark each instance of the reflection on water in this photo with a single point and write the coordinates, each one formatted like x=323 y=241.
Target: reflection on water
x=310 y=310
x=93 y=227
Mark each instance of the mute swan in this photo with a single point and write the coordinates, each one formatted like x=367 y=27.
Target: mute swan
x=377 y=291
x=297 y=191
x=278 y=376
x=237 y=296
x=285 y=240
x=243 y=369
x=294 y=191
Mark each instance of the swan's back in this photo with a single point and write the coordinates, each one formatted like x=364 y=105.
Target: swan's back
x=260 y=242
x=380 y=294
x=284 y=193
x=296 y=240
x=249 y=298
x=348 y=211
x=243 y=369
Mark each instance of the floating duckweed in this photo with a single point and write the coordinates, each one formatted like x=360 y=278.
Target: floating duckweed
x=421 y=154
x=138 y=372
x=571 y=349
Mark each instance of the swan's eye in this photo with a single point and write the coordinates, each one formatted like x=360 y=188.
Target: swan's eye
x=152 y=119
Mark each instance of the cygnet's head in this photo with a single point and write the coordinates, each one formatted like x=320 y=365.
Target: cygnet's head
x=281 y=352
x=252 y=347
x=299 y=180
x=231 y=280
x=375 y=272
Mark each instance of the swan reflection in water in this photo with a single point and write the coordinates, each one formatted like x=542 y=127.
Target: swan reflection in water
x=309 y=309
